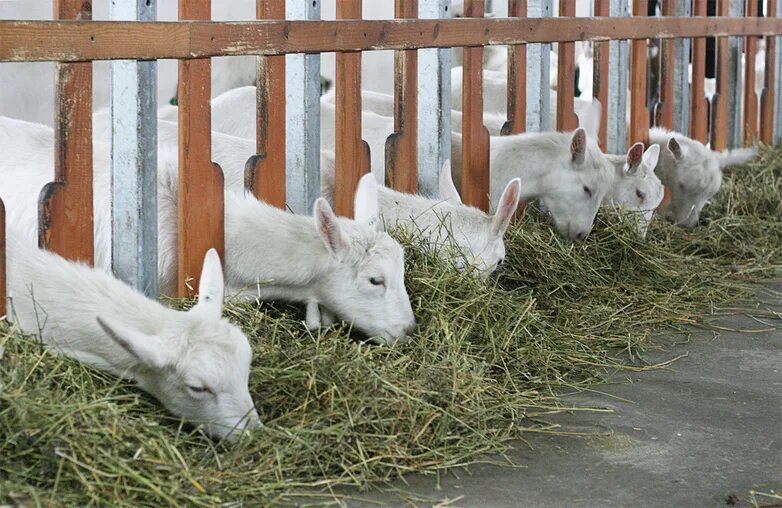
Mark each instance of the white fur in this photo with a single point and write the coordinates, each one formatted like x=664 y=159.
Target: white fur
x=692 y=173
x=570 y=188
x=467 y=235
x=196 y=363
x=636 y=187
x=269 y=253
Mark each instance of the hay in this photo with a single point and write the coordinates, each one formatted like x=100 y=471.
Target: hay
x=485 y=361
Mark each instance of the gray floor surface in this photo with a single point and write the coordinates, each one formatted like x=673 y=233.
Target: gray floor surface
x=704 y=431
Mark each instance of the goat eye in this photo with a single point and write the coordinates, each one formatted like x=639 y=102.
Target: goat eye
x=588 y=191
x=200 y=390
x=377 y=281
x=641 y=194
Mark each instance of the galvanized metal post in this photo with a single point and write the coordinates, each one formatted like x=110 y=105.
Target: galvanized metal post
x=134 y=248
x=434 y=104
x=618 y=67
x=302 y=113
x=778 y=85
x=735 y=80
x=538 y=60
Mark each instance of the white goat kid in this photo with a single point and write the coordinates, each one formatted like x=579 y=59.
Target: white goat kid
x=567 y=171
x=692 y=173
x=335 y=265
x=263 y=257
x=636 y=187
x=195 y=363
x=444 y=223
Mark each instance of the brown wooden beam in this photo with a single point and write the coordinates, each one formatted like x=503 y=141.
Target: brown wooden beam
x=719 y=103
x=699 y=120
x=65 y=205
x=750 y=97
x=566 y=77
x=475 y=136
x=639 y=113
x=269 y=164
x=351 y=152
x=600 y=75
x=402 y=144
x=74 y=41
x=201 y=191
x=767 y=96
x=517 y=77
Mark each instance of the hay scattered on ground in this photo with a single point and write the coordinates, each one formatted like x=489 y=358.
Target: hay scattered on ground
x=485 y=361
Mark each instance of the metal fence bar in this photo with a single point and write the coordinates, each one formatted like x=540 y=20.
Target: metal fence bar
x=767 y=96
x=600 y=76
x=538 y=63
x=616 y=132
x=402 y=145
x=699 y=122
x=475 y=142
x=566 y=76
x=268 y=166
x=639 y=113
x=302 y=97
x=517 y=75
x=351 y=152
x=719 y=103
x=3 y=290
x=735 y=80
x=681 y=79
x=65 y=205
x=201 y=191
x=663 y=112
x=750 y=97
x=434 y=104
x=134 y=244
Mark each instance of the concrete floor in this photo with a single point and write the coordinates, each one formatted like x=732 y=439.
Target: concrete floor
x=703 y=430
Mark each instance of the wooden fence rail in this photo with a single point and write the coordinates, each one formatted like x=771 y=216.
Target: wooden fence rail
x=74 y=42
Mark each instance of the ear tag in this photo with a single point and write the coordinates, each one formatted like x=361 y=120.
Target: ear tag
x=211 y=294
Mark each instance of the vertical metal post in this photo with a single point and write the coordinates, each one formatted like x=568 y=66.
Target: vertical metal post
x=302 y=93
x=538 y=58
x=134 y=161
x=434 y=104
x=735 y=80
x=681 y=81
x=618 y=65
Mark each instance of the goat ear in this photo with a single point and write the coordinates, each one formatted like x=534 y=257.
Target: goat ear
x=327 y=226
x=509 y=202
x=145 y=348
x=211 y=288
x=676 y=149
x=578 y=146
x=634 y=156
x=651 y=156
x=448 y=190
x=365 y=206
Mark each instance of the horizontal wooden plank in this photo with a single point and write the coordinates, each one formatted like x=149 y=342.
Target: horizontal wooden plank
x=74 y=41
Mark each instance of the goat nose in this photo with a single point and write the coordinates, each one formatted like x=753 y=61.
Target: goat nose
x=581 y=235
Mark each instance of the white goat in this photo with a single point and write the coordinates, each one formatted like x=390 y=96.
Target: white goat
x=443 y=223
x=567 y=171
x=264 y=246
x=196 y=363
x=636 y=187
x=691 y=172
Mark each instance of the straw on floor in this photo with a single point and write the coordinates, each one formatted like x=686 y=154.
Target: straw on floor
x=485 y=362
